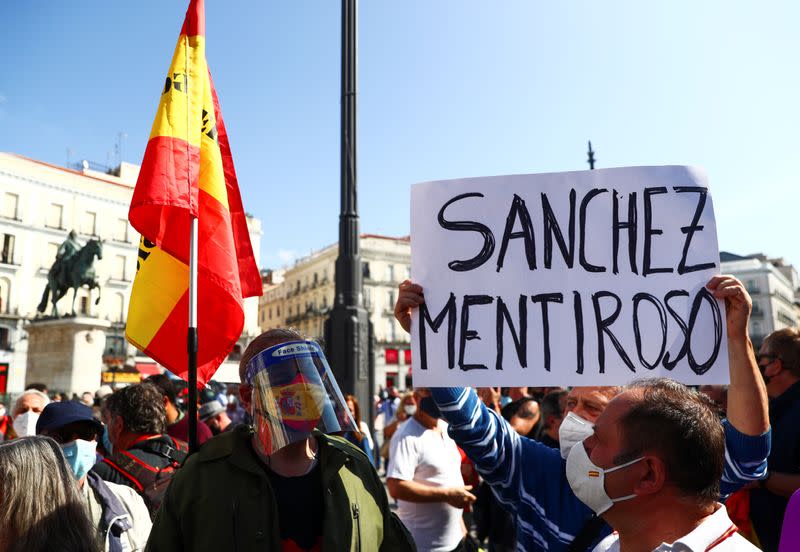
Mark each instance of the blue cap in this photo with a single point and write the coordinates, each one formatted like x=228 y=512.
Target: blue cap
x=59 y=414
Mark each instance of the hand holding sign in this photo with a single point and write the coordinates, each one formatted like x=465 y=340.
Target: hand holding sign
x=409 y=297
x=737 y=303
x=586 y=278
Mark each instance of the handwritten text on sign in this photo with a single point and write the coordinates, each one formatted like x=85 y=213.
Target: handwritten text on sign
x=582 y=278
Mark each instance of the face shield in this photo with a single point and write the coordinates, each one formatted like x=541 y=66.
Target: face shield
x=294 y=393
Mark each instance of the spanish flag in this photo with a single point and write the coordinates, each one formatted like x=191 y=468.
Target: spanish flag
x=188 y=172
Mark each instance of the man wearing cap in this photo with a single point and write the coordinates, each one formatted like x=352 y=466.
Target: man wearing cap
x=288 y=482
x=214 y=415
x=118 y=511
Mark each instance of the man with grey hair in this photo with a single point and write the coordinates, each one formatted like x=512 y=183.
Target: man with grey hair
x=144 y=456
x=26 y=411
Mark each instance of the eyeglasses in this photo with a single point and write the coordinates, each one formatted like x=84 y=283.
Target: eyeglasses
x=766 y=357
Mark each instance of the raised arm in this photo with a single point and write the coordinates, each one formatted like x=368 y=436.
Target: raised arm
x=747 y=435
x=748 y=409
x=492 y=445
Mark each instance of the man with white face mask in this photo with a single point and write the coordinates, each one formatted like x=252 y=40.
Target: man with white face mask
x=117 y=511
x=26 y=411
x=658 y=450
x=530 y=479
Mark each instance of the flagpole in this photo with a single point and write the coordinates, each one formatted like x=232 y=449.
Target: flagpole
x=191 y=334
x=192 y=338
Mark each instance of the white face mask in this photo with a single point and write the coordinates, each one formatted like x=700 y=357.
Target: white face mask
x=587 y=480
x=25 y=424
x=410 y=409
x=573 y=430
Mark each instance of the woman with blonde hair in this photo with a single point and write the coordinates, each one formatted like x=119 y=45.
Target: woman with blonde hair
x=41 y=506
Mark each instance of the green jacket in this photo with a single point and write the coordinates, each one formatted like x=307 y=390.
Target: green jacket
x=222 y=500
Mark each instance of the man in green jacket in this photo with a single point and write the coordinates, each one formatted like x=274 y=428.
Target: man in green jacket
x=285 y=484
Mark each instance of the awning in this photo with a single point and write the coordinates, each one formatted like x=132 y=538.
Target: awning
x=147 y=368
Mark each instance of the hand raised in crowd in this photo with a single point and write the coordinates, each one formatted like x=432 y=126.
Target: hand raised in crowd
x=409 y=297
x=748 y=410
x=490 y=397
x=460 y=497
x=737 y=303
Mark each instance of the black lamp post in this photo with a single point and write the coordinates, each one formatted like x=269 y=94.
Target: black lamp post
x=348 y=332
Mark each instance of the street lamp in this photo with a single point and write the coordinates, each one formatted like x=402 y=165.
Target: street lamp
x=348 y=332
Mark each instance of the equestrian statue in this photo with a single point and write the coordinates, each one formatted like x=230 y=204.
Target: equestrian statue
x=73 y=268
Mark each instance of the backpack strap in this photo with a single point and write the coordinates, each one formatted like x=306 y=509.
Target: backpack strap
x=121 y=465
x=172 y=451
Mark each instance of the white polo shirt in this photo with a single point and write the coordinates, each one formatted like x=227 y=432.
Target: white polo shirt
x=716 y=533
x=431 y=458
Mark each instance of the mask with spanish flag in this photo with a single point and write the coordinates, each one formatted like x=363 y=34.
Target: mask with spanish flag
x=294 y=394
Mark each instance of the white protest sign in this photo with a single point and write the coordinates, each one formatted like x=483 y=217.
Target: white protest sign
x=580 y=278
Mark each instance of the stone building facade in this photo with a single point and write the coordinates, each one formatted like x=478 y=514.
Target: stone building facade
x=39 y=204
x=302 y=296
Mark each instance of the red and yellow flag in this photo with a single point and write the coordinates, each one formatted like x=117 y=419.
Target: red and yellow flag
x=187 y=172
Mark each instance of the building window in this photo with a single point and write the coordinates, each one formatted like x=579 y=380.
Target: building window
x=365 y=270
x=121 y=230
x=367 y=298
x=49 y=255
x=277 y=311
x=5 y=295
x=54 y=216
x=7 y=254
x=270 y=313
x=392 y=331
x=119 y=315
x=115 y=346
x=83 y=307
x=5 y=343
x=390 y=273
x=236 y=352
x=119 y=267
x=390 y=297
x=89 y=224
x=10 y=205
x=324 y=301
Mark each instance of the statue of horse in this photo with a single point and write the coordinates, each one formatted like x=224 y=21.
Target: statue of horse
x=74 y=272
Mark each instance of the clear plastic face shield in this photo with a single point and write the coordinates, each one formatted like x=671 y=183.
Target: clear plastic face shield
x=294 y=393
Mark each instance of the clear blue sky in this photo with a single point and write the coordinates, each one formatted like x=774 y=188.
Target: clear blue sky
x=446 y=89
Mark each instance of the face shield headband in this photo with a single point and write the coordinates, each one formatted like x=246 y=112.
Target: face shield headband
x=294 y=394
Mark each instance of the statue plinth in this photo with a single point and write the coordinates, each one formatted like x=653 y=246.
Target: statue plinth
x=66 y=354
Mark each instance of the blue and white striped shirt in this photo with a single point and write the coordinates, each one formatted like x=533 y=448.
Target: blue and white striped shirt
x=529 y=479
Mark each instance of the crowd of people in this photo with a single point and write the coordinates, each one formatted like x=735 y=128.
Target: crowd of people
x=290 y=464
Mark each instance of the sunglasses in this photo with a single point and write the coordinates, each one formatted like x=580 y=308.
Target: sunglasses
x=766 y=357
